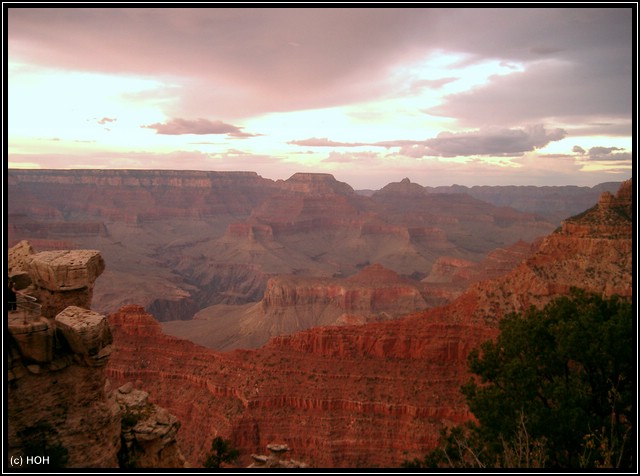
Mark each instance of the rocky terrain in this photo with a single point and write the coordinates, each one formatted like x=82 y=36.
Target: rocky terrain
x=371 y=395
x=208 y=244
x=60 y=404
x=554 y=203
x=179 y=241
x=294 y=303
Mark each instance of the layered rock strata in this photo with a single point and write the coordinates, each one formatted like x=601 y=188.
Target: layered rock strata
x=59 y=403
x=65 y=277
x=374 y=395
x=294 y=303
x=61 y=409
x=148 y=432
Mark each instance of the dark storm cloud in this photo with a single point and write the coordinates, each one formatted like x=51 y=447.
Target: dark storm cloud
x=602 y=150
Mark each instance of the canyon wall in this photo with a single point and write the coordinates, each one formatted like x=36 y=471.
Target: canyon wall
x=181 y=241
x=61 y=410
x=294 y=303
x=373 y=395
x=555 y=203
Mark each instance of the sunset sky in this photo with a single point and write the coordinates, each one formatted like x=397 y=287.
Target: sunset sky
x=470 y=96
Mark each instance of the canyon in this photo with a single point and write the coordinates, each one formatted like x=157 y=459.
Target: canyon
x=371 y=395
x=346 y=318
x=187 y=244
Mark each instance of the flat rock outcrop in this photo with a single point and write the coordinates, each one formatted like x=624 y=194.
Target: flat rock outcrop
x=274 y=459
x=64 y=278
x=66 y=270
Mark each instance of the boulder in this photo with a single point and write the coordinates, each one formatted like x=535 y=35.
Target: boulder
x=87 y=333
x=65 y=270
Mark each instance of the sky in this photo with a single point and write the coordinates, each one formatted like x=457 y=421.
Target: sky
x=442 y=96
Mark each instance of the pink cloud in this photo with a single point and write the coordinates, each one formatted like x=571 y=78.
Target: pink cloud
x=235 y=62
x=179 y=126
x=324 y=142
x=489 y=141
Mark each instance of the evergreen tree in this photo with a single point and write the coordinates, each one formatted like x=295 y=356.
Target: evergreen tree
x=556 y=388
x=221 y=452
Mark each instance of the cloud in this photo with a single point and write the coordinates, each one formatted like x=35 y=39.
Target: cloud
x=545 y=90
x=608 y=154
x=431 y=83
x=545 y=50
x=602 y=150
x=180 y=126
x=236 y=62
x=398 y=143
x=106 y=120
x=578 y=150
x=490 y=141
x=361 y=158
x=324 y=142
x=493 y=141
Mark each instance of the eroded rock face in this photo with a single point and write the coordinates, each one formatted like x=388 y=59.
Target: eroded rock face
x=60 y=403
x=66 y=270
x=64 y=278
x=64 y=412
x=19 y=257
x=294 y=303
x=148 y=432
x=87 y=333
x=386 y=388
x=275 y=458
x=451 y=277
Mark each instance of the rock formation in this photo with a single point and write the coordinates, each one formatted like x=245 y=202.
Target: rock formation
x=371 y=395
x=63 y=278
x=273 y=459
x=60 y=403
x=294 y=303
x=555 y=203
x=148 y=432
x=450 y=277
x=181 y=241
x=593 y=251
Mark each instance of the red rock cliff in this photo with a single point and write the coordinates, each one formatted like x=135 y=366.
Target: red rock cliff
x=359 y=395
